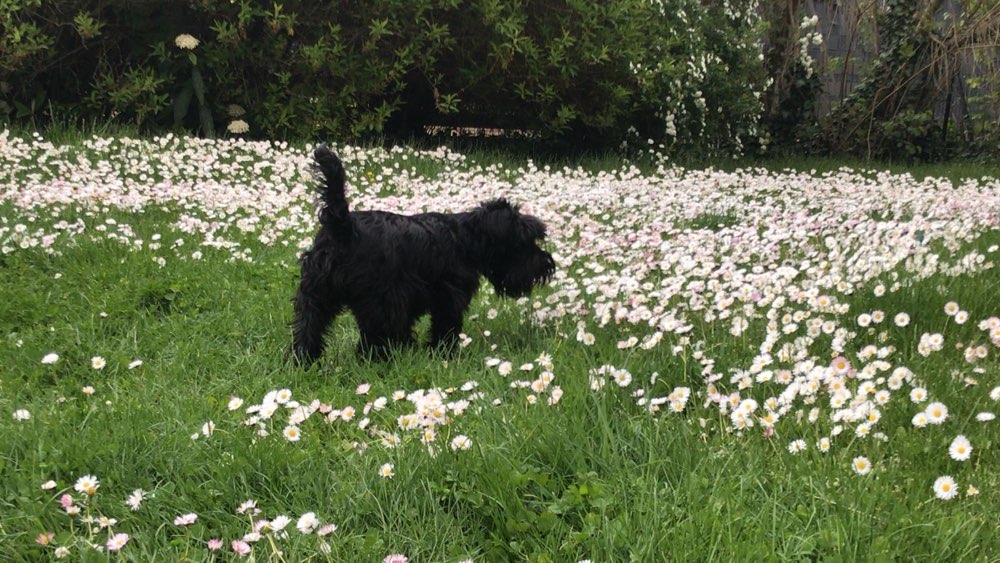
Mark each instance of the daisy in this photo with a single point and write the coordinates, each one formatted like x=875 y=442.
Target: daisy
x=241 y=548
x=995 y=393
x=945 y=488
x=960 y=448
x=248 y=506
x=796 y=446
x=105 y=522
x=840 y=365
x=45 y=538
x=861 y=465
x=901 y=320
x=961 y=317
x=622 y=377
x=824 y=445
x=292 y=433
x=396 y=558
x=918 y=395
x=307 y=523
x=386 y=471
x=234 y=403
x=326 y=530
x=186 y=519
x=214 y=544
x=88 y=390
x=461 y=442
x=971 y=491
x=282 y=396
x=134 y=501
x=134 y=364
x=87 y=484
x=951 y=308
x=61 y=552
x=937 y=413
x=920 y=419
x=117 y=542
x=280 y=522
x=50 y=358
x=97 y=362
x=985 y=416
x=48 y=485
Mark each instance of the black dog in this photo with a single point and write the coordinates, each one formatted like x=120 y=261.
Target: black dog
x=391 y=269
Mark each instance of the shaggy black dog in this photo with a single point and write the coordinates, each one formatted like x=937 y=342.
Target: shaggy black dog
x=390 y=269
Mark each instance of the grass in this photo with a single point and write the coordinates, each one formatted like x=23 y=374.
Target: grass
x=595 y=477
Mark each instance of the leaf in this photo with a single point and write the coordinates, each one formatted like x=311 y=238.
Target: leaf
x=198 y=84
x=182 y=103
x=207 y=123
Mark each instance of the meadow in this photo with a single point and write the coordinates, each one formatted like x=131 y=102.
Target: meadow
x=739 y=363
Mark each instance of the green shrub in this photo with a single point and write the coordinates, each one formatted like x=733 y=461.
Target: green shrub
x=682 y=71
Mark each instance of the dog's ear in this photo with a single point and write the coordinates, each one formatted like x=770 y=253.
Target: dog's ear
x=529 y=228
x=502 y=221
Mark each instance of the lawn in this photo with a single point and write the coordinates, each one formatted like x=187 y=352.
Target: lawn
x=746 y=362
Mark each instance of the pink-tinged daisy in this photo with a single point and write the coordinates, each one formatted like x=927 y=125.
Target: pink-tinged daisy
x=214 y=544
x=362 y=389
x=134 y=501
x=326 y=530
x=241 y=548
x=186 y=519
x=45 y=538
x=117 y=541
x=395 y=558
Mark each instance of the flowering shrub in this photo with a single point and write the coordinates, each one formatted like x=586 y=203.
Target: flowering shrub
x=682 y=71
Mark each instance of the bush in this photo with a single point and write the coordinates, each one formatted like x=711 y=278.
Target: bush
x=682 y=71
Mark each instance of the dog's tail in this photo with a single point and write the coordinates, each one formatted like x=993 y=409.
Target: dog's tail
x=334 y=213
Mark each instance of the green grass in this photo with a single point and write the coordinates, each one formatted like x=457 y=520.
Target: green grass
x=594 y=477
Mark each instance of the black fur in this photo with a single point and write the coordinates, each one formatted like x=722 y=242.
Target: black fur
x=389 y=269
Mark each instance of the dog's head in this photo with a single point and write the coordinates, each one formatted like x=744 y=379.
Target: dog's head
x=511 y=258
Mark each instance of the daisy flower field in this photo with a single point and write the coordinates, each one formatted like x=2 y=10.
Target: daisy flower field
x=769 y=363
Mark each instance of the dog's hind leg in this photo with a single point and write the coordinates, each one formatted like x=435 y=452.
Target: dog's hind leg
x=313 y=314
x=384 y=326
